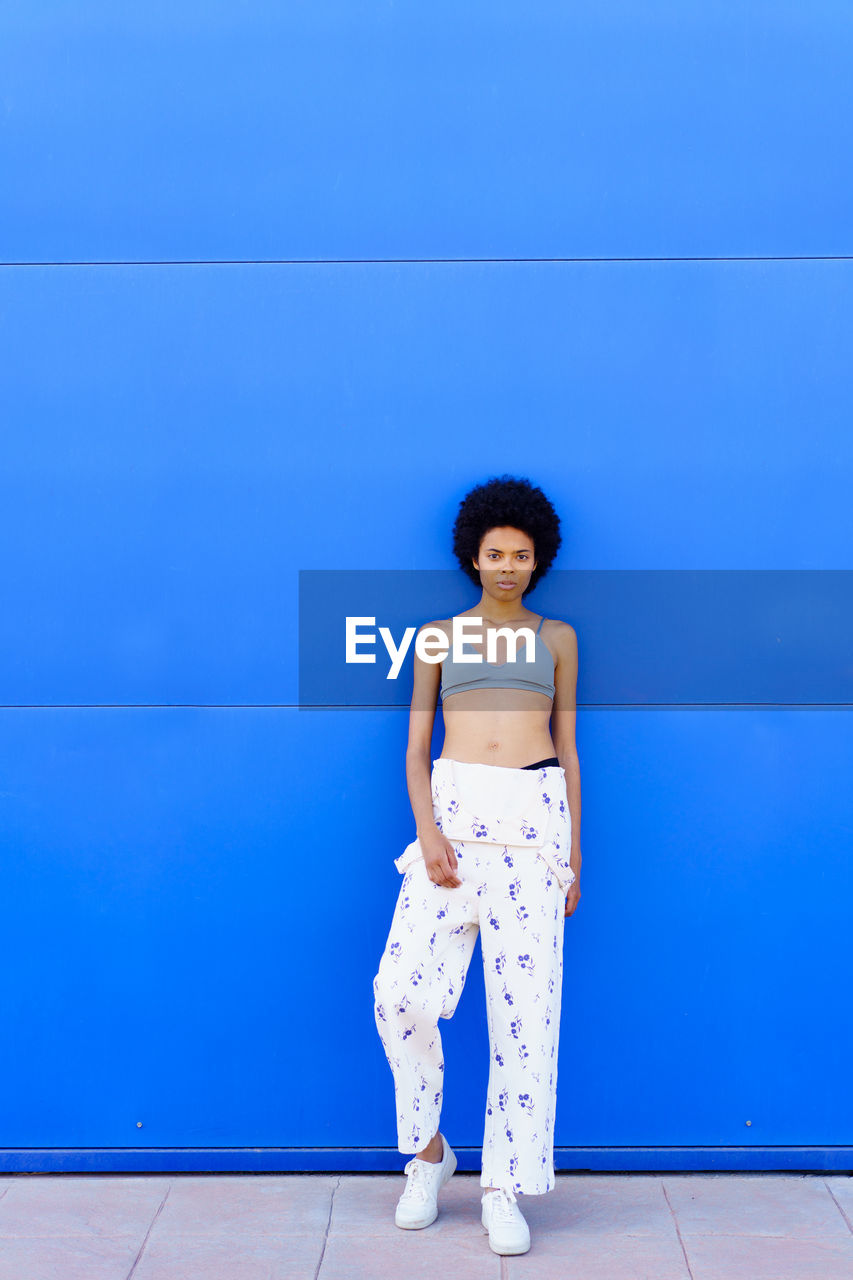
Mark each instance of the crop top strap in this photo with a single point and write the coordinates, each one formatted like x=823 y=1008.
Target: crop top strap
x=539 y=628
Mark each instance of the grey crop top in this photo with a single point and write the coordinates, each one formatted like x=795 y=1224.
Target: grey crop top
x=536 y=676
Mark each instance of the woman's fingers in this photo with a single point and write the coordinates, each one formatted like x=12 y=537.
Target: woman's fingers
x=443 y=872
x=452 y=866
x=451 y=855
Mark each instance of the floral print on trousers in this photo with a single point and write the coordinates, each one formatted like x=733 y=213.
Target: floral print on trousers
x=513 y=864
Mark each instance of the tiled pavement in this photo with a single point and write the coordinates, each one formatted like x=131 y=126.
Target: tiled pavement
x=682 y=1226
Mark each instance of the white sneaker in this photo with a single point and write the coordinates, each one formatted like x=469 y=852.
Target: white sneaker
x=418 y=1205
x=504 y=1221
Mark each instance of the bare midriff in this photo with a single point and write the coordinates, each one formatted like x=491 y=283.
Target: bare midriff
x=509 y=727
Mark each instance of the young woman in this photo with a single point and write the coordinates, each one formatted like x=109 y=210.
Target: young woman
x=497 y=852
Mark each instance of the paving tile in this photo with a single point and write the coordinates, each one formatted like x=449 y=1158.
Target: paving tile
x=365 y=1204
x=841 y=1187
x=81 y=1205
x=761 y=1204
x=86 y=1257
x=569 y=1227
x=235 y=1257
x=415 y=1255
x=594 y=1205
x=718 y=1257
x=605 y=1257
x=247 y=1204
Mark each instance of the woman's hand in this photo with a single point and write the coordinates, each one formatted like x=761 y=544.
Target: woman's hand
x=573 y=896
x=440 y=859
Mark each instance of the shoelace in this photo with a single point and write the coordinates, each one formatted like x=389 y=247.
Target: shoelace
x=416 y=1186
x=503 y=1202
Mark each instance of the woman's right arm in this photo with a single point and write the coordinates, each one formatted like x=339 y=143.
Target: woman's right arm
x=437 y=851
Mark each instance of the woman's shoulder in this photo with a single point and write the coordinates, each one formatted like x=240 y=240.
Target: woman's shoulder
x=560 y=635
x=557 y=627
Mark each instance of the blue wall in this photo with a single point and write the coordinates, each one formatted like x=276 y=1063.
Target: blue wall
x=280 y=283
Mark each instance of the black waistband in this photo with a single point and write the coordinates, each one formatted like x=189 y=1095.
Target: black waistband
x=543 y=764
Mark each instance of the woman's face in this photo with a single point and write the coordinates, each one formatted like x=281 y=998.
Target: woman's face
x=505 y=562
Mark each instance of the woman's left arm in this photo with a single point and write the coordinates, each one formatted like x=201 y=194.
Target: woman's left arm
x=564 y=642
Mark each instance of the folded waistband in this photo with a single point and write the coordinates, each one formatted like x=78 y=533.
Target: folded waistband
x=446 y=762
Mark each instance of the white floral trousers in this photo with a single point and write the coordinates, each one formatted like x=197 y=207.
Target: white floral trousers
x=511 y=831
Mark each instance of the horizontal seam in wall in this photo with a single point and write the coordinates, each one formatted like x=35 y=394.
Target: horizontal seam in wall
x=403 y=706
x=336 y=262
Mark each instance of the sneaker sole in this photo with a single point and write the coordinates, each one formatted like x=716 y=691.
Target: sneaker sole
x=427 y=1222
x=508 y=1253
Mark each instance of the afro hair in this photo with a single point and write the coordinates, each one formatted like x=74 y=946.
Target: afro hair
x=506 y=501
